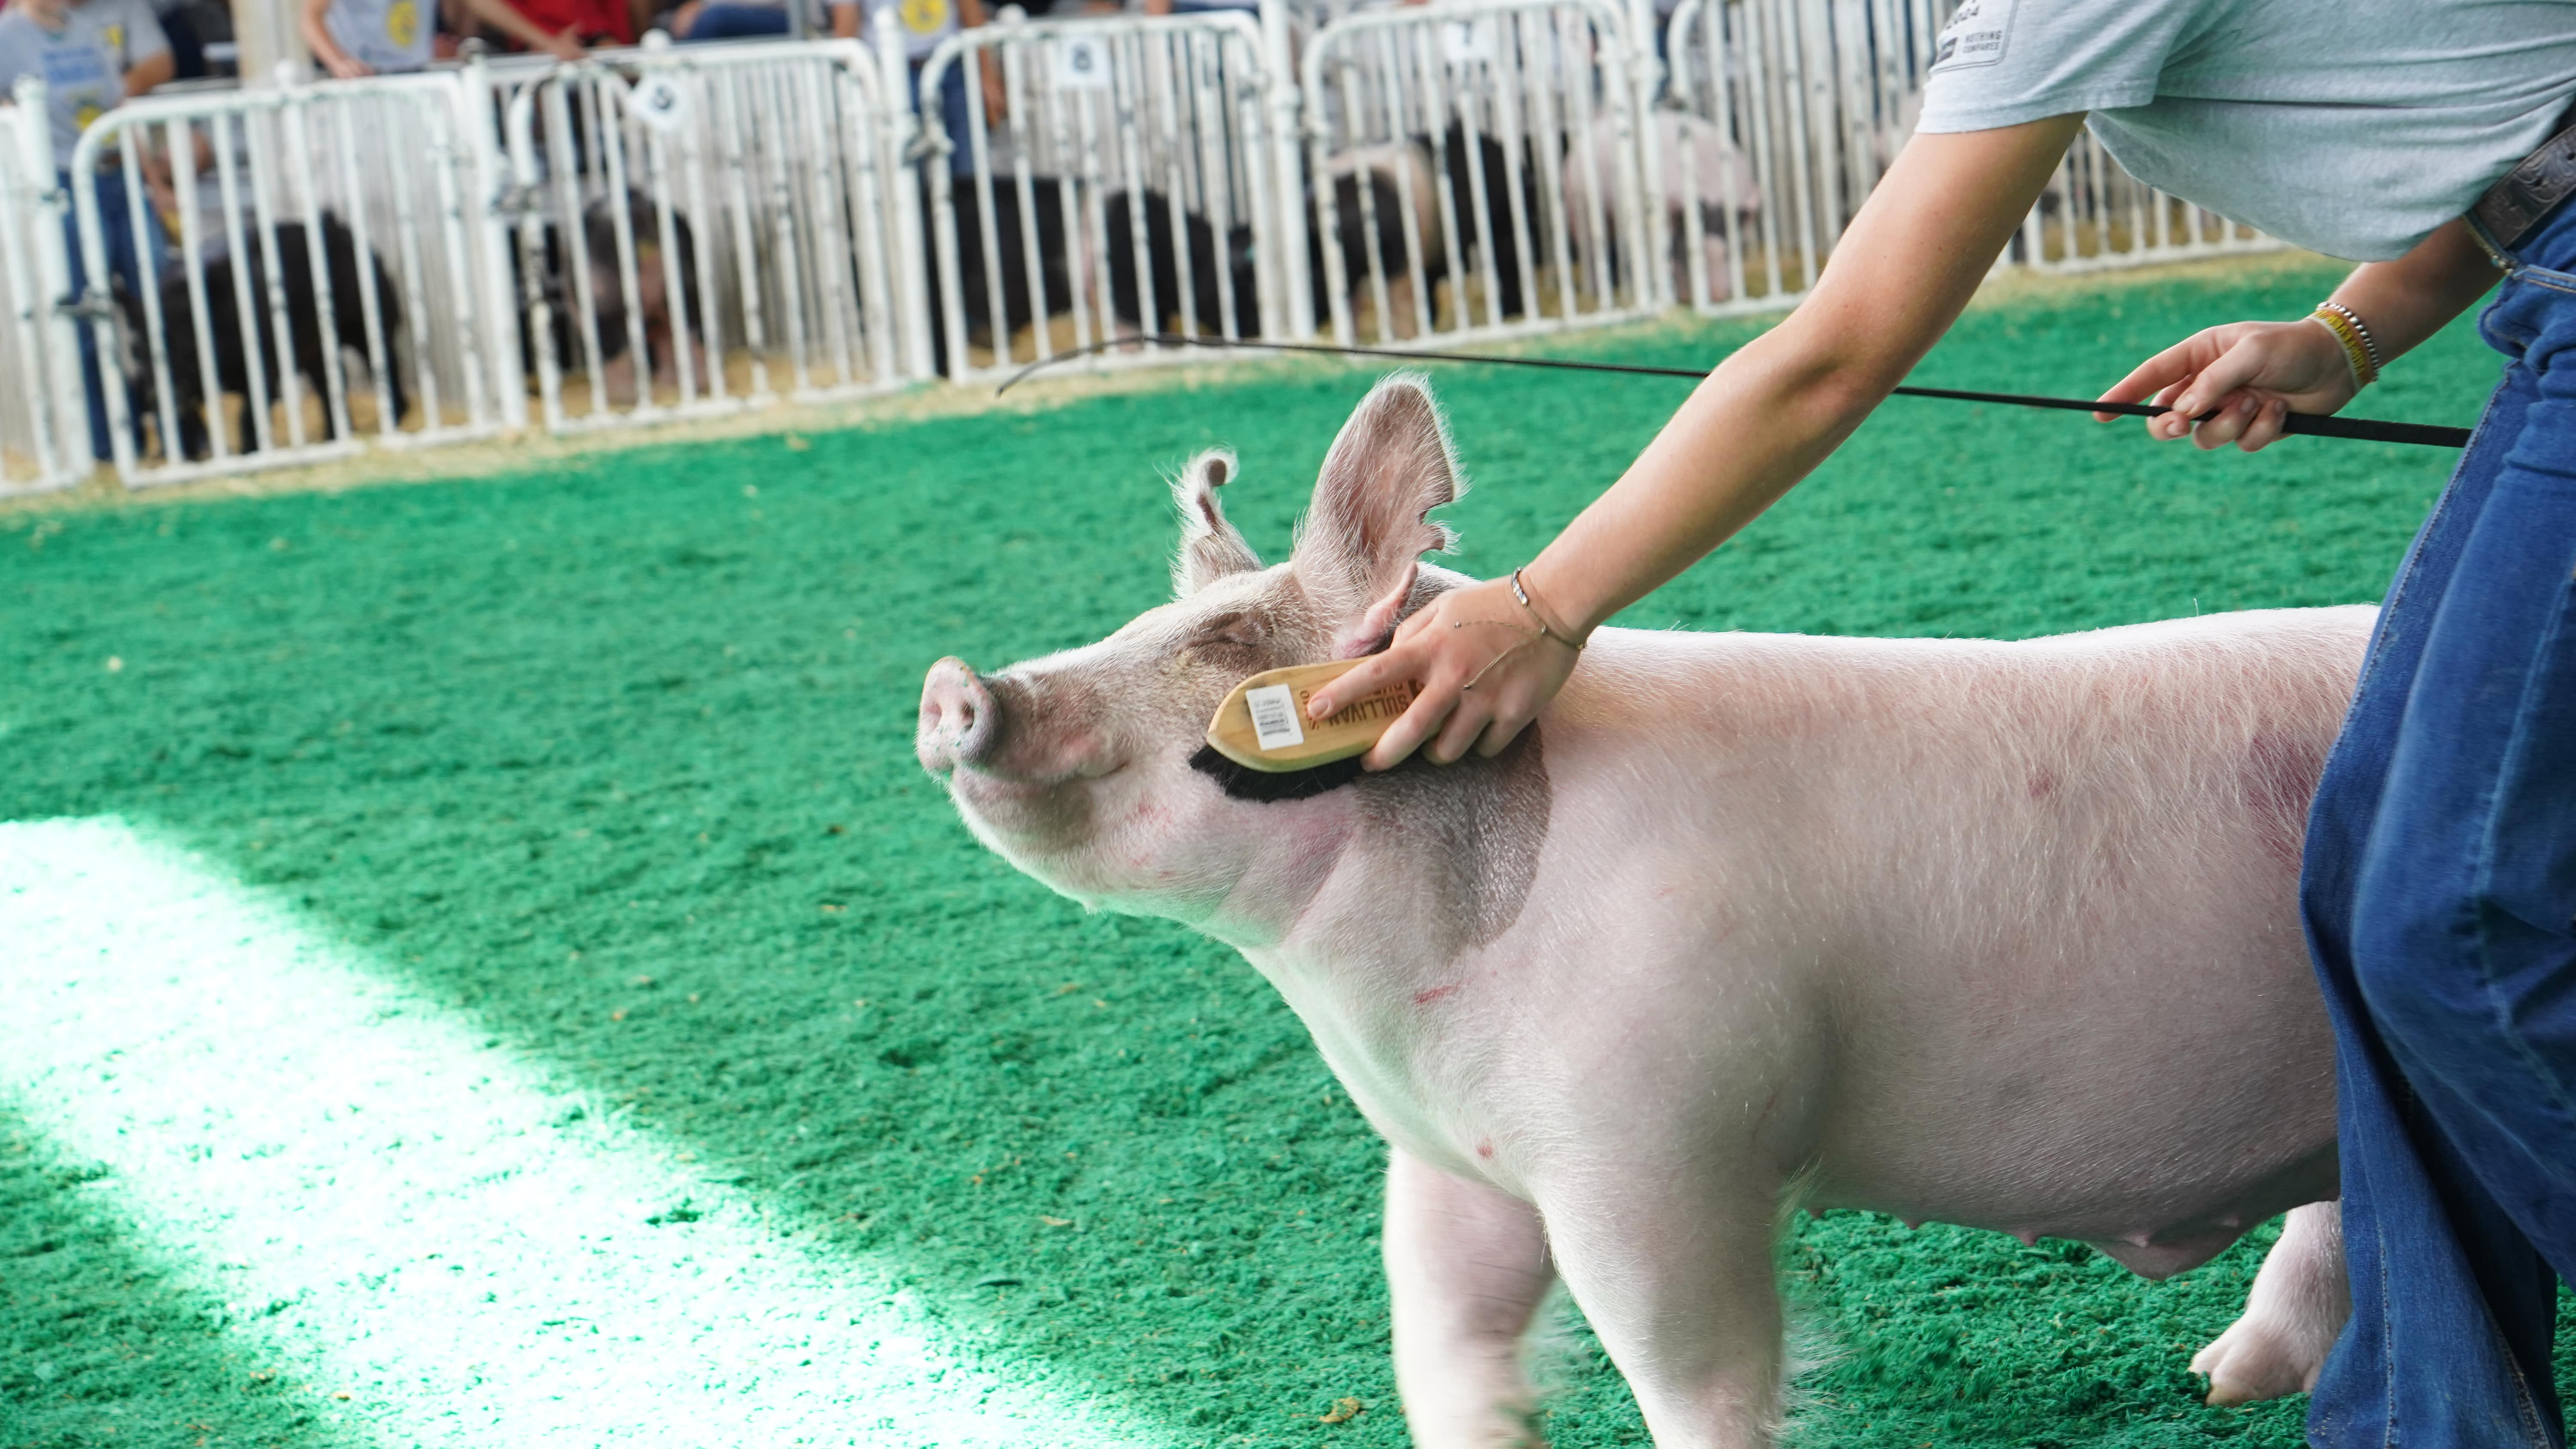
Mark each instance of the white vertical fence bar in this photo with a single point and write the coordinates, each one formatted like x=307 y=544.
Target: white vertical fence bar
x=1478 y=169
x=1125 y=183
x=44 y=429
x=278 y=293
x=1794 y=108
x=695 y=225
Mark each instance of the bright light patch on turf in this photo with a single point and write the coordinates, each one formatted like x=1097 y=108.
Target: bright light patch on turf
x=402 y=1212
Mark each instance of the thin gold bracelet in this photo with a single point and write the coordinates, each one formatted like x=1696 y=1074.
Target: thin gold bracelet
x=1545 y=629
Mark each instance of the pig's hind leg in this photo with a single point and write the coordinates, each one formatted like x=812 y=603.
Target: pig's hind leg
x=1466 y=1266
x=2298 y=1306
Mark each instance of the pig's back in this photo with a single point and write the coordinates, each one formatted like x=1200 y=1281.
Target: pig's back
x=2039 y=898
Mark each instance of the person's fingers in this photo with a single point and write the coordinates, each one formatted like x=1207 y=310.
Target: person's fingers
x=1365 y=678
x=1459 y=733
x=2165 y=427
x=2239 y=367
x=2233 y=416
x=2269 y=421
x=2173 y=365
x=1500 y=731
x=1430 y=709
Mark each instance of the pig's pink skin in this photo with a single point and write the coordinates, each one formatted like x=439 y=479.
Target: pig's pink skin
x=1983 y=933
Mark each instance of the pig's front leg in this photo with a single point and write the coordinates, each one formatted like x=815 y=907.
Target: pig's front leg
x=2292 y=1318
x=1466 y=1265
x=1675 y=1276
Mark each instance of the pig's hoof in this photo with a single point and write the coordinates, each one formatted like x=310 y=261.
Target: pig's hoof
x=2260 y=1358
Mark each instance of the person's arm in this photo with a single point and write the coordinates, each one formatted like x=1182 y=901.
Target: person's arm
x=845 y=19
x=1909 y=262
x=150 y=71
x=2253 y=374
x=145 y=53
x=503 y=16
x=971 y=15
x=313 y=20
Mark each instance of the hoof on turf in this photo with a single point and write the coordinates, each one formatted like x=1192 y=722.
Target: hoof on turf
x=2263 y=1358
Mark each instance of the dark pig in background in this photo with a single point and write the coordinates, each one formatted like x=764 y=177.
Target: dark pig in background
x=310 y=346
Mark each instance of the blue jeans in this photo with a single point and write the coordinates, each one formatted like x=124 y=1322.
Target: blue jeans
x=2440 y=896
x=736 y=22
x=116 y=227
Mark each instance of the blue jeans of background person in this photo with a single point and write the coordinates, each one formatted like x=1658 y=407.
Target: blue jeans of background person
x=2440 y=897
x=736 y=22
x=116 y=228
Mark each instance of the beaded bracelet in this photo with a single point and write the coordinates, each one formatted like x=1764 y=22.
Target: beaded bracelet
x=2359 y=348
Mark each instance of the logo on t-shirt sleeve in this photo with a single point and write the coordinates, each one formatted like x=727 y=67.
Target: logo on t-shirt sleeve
x=1975 y=35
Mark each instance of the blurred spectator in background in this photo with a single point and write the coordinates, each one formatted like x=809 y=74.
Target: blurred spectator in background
x=923 y=24
x=179 y=30
x=351 y=38
x=91 y=57
x=699 y=21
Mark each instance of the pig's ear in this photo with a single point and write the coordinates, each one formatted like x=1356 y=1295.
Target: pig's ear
x=1210 y=548
x=1369 y=522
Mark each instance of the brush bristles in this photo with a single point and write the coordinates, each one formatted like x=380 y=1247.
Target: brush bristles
x=1245 y=783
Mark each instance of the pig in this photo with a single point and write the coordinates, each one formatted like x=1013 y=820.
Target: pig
x=1996 y=934
x=1695 y=164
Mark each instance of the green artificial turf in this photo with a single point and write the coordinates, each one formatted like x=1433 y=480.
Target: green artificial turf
x=537 y=739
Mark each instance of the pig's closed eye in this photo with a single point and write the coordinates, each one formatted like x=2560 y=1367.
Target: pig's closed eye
x=1232 y=634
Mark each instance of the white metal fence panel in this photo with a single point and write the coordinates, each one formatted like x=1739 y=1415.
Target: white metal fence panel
x=1114 y=178
x=324 y=235
x=1478 y=170
x=699 y=230
x=44 y=433
x=1780 y=117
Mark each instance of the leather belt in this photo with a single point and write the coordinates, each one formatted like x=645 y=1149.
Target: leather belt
x=2530 y=191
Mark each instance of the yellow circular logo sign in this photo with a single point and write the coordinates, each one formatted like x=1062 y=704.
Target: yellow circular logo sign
x=402 y=23
x=924 y=17
x=114 y=35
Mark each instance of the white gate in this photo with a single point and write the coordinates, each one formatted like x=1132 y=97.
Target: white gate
x=1478 y=170
x=703 y=229
x=44 y=432
x=1121 y=183
x=323 y=230
x=1782 y=114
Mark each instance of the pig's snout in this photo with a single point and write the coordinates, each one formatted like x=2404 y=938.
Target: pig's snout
x=959 y=721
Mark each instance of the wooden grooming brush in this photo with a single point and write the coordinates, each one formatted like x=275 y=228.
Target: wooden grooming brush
x=1262 y=724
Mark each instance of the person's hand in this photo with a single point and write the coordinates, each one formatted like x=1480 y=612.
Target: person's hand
x=344 y=66
x=681 y=21
x=564 y=44
x=1483 y=668
x=2250 y=374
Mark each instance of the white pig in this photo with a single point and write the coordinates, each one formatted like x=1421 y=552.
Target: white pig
x=1996 y=934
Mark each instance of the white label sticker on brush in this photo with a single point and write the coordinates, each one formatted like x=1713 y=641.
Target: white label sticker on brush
x=1274 y=716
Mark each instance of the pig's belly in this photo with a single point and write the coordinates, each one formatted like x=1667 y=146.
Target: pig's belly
x=2155 y=1098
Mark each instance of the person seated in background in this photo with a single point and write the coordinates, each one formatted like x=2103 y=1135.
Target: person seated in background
x=699 y=21
x=352 y=38
x=583 y=22
x=92 y=56
x=923 y=25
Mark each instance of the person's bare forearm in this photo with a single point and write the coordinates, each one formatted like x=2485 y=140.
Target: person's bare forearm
x=2407 y=300
x=1775 y=409
x=152 y=70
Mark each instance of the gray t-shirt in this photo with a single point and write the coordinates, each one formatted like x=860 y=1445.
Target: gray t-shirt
x=391 y=36
x=2350 y=127
x=83 y=65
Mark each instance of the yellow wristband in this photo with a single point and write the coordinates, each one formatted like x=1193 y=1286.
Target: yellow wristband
x=2364 y=370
